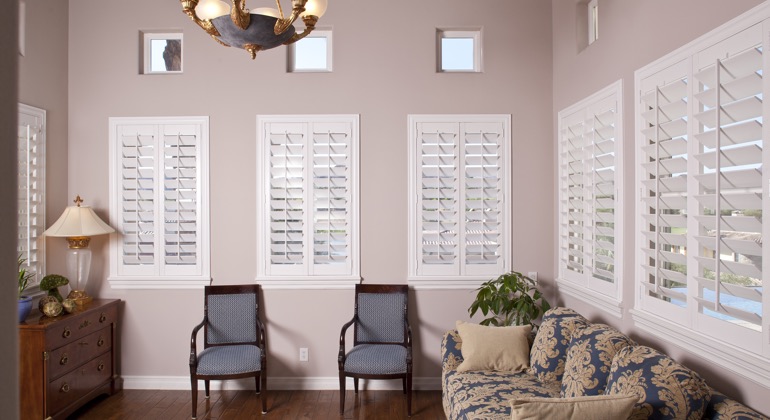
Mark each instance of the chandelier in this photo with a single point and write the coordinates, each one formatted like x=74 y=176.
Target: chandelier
x=253 y=30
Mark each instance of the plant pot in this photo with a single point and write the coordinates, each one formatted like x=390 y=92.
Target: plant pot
x=25 y=306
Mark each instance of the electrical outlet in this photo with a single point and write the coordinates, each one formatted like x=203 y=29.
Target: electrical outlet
x=533 y=276
x=303 y=354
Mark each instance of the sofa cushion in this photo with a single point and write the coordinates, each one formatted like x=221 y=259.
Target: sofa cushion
x=589 y=358
x=493 y=348
x=560 y=312
x=549 y=351
x=664 y=388
x=594 y=407
x=487 y=395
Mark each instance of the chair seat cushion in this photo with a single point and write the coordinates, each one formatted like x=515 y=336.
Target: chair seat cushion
x=376 y=359
x=229 y=360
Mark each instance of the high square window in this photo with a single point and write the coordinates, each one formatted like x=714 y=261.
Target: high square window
x=312 y=53
x=458 y=50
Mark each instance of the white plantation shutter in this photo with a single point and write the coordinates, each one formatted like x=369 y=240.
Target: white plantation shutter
x=307 y=201
x=459 y=221
x=159 y=202
x=590 y=146
x=31 y=190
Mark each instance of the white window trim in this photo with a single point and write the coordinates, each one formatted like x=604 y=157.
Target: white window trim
x=593 y=21
x=304 y=282
x=420 y=282
x=473 y=33
x=728 y=355
x=118 y=281
x=292 y=50
x=39 y=267
x=609 y=299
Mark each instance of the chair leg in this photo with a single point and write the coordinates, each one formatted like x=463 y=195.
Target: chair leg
x=409 y=394
x=206 y=385
x=342 y=392
x=256 y=381
x=403 y=383
x=263 y=397
x=355 y=385
x=194 y=387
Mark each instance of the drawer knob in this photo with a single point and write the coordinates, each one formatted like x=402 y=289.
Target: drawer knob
x=66 y=333
x=65 y=387
x=100 y=367
x=102 y=317
x=64 y=359
x=100 y=342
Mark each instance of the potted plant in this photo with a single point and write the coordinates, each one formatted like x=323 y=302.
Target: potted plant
x=512 y=299
x=25 y=302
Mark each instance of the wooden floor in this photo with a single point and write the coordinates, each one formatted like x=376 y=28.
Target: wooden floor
x=173 y=405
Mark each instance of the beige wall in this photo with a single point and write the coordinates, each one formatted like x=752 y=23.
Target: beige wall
x=383 y=70
x=9 y=368
x=633 y=34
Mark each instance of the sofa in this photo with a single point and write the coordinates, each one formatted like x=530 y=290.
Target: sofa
x=571 y=358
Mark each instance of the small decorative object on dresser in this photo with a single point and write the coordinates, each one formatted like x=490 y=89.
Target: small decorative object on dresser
x=25 y=302
x=68 y=360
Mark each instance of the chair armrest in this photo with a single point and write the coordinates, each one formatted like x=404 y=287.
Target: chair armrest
x=193 y=343
x=341 y=356
x=262 y=339
x=451 y=351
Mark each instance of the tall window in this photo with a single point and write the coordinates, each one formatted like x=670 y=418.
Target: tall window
x=31 y=187
x=459 y=209
x=590 y=170
x=159 y=202
x=307 y=192
x=703 y=191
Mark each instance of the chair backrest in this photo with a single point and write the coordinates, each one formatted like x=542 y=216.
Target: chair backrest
x=232 y=313
x=381 y=311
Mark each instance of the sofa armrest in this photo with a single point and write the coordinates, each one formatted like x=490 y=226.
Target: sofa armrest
x=451 y=354
x=722 y=407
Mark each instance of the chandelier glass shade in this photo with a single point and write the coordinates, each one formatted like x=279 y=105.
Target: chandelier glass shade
x=253 y=30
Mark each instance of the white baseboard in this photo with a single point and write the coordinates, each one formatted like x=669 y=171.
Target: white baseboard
x=285 y=383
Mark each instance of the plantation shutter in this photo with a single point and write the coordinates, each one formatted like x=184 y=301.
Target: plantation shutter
x=31 y=190
x=461 y=176
x=730 y=159
x=158 y=203
x=664 y=183
x=309 y=202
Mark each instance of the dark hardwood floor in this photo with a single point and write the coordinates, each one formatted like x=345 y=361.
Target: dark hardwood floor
x=173 y=405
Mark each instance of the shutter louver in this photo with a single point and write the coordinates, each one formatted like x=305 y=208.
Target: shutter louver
x=138 y=149
x=664 y=184
x=31 y=190
x=180 y=204
x=730 y=157
x=287 y=193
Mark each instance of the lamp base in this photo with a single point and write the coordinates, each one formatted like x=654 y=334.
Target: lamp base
x=80 y=297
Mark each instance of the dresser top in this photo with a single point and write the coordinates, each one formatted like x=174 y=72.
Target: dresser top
x=37 y=320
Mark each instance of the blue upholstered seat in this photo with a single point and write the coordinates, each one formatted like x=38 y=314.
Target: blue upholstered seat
x=376 y=359
x=229 y=360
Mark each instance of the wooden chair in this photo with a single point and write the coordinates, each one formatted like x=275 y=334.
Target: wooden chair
x=382 y=339
x=234 y=340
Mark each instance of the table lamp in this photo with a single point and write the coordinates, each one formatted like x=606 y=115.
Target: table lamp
x=78 y=224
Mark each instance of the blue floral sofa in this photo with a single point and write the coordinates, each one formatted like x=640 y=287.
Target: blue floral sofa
x=571 y=357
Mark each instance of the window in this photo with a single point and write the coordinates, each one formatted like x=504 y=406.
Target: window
x=31 y=183
x=593 y=21
x=459 y=209
x=162 y=52
x=590 y=170
x=702 y=194
x=307 y=208
x=159 y=202
x=312 y=53
x=458 y=50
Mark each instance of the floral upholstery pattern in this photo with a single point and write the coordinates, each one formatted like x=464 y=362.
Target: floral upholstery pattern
x=589 y=359
x=549 y=351
x=666 y=389
x=723 y=408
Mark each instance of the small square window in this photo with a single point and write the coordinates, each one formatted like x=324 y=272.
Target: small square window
x=593 y=21
x=458 y=50
x=162 y=52
x=312 y=53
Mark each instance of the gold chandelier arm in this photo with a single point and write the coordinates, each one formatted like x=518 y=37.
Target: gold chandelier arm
x=219 y=41
x=188 y=7
x=310 y=22
x=298 y=6
x=240 y=15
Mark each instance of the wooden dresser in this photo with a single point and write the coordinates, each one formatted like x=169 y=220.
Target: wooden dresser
x=68 y=360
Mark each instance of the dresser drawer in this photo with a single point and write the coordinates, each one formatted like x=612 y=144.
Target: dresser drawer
x=73 y=328
x=79 y=382
x=74 y=354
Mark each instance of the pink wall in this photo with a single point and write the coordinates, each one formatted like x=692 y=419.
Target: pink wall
x=383 y=70
x=633 y=34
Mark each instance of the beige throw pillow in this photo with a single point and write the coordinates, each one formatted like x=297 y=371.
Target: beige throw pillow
x=494 y=348
x=595 y=407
